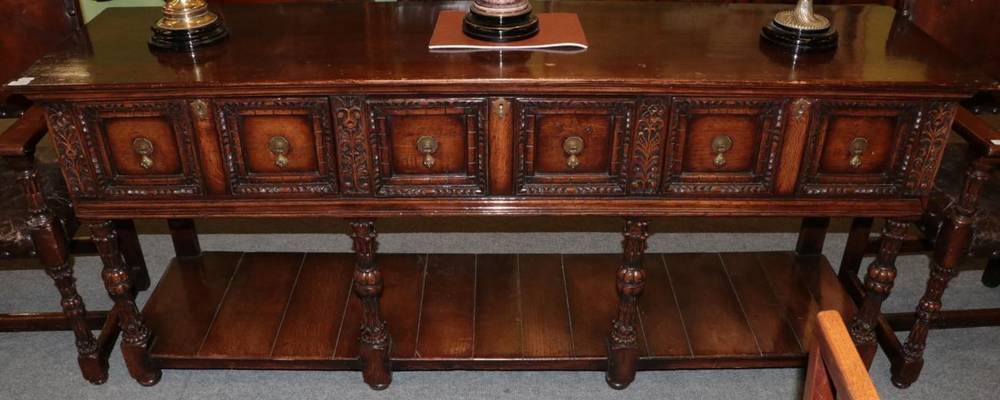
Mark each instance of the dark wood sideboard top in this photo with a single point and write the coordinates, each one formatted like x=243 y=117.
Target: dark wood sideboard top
x=371 y=47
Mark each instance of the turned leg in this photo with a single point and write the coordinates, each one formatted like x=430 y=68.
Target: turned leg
x=878 y=283
x=991 y=275
x=135 y=334
x=375 y=341
x=128 y=239
x=854 y=251
x=951 y=243
x=812 y=234
x=185 y=237
x=49 y=238
x=623 y=347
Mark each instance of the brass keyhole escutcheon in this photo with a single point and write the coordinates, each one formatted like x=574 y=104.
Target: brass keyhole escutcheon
x=720 y=145
x=144 y=148
x=573 y=146
x=427 y=145
x=200 y=109
x=857 y=149
x=280 y=147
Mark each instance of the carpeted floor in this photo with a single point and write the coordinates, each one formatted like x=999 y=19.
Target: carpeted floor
x=962 y=364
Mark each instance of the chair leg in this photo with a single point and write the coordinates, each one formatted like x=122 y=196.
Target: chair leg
x=49 y=238
x=949 y=248
x=854 y=251
x=991 y=276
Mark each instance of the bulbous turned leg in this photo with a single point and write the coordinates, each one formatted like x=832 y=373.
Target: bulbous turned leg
x=49 y=238
x=118 y=282
x=623 y=347
x=878 y=284
x=375 y=341
x=952 y=241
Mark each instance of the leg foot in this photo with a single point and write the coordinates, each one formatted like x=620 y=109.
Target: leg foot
x=622 y=364
x=376 y=371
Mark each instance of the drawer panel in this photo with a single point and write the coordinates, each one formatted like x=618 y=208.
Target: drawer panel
x=141 y=149
x=723 y=146
x=571 y=146
x=278 y=145
x=858 y=148
x=429 y=147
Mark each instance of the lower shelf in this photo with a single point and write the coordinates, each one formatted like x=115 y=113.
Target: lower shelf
x=467 y=311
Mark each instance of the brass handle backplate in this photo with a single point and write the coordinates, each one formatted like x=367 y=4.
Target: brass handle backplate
x=573 y=146
x=720 y=145
x=427 y=145
x=858 y=147
x=280 y=147
x=144 y=148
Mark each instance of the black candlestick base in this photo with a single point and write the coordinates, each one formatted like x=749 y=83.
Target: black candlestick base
x=500 y=29
x=800 y=40
x=187 y=39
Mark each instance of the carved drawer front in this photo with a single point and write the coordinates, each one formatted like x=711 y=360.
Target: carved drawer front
x=571 y=146
x=429 y=147
x=278 y=145
x=140 y=149
x=723 y=146
x=858 y=148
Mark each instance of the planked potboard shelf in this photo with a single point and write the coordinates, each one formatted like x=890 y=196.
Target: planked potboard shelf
x=489 y=311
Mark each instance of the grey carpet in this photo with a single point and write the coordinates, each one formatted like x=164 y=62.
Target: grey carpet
x=962 y=364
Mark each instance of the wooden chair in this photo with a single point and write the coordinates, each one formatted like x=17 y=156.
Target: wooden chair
x=36 y=217
x=835 y=369
x=963 y=220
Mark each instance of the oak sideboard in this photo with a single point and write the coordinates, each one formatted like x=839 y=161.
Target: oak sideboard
x=340 y=111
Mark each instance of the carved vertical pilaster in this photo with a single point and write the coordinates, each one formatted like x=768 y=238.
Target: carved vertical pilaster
x=135 y=334
x=375 y=340
x=647 y=151
x=49 y=239
x=623 y=348
x=952 y=241
x=878 y=284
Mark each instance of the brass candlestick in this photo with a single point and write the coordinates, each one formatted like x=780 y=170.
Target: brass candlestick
x=500 y=20
x=187 y=25
x=801 y=29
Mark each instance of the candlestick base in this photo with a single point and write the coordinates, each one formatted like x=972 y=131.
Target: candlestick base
x=800 y=40
x=187 y=39
x=500 y=28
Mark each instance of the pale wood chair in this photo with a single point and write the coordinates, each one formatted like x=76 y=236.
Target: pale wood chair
x=835 y=369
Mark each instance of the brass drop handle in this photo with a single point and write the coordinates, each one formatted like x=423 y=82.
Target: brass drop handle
x=720 y=145
x=427 y=145
x=858 y=147
x=144 y=148
x=280 y=147
x=573 y=146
